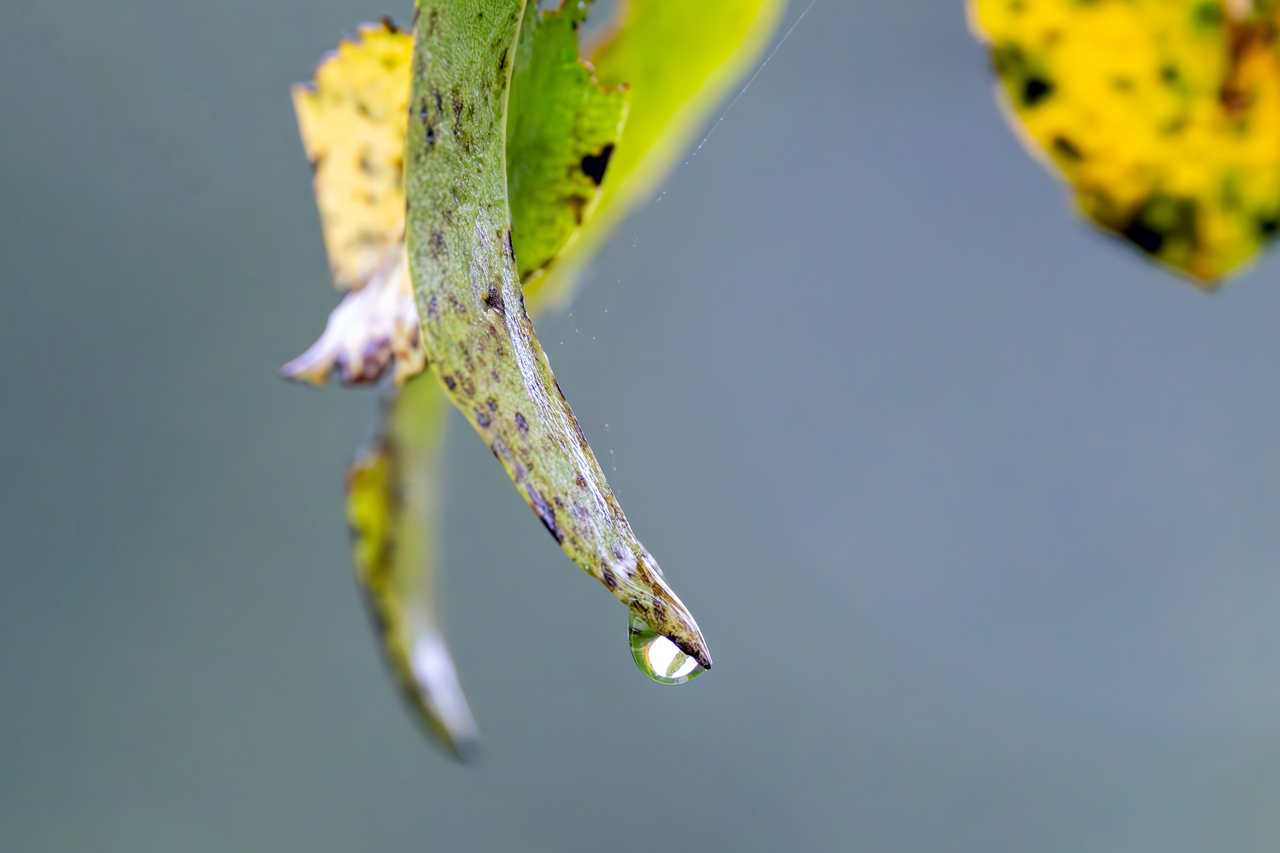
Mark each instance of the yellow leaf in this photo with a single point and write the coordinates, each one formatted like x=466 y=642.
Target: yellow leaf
x=1164 y=115
x=353 y=123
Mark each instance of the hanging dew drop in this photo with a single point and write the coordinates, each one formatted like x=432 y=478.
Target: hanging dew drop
x=657 y=656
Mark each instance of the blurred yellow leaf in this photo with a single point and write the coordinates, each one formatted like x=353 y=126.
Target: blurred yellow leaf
x=1164 y=115
x=353 y=123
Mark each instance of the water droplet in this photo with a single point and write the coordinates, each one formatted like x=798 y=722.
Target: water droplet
x=657 y=656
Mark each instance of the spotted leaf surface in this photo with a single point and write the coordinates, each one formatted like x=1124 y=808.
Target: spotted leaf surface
x=1163 y=115
x=477 y=335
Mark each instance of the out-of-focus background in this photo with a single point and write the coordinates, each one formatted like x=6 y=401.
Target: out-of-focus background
x=978 y=510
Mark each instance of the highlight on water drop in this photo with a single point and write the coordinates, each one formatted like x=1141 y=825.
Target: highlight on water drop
x=657 y=656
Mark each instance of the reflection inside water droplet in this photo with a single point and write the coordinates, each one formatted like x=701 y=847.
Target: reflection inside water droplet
x=657 y=656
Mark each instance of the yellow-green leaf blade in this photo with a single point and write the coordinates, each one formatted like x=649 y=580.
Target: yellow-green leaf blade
x=393 y=511
x=561 y=129
x=678 y=60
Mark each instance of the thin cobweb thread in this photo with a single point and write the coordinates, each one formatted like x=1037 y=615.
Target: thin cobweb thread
x=738 y=97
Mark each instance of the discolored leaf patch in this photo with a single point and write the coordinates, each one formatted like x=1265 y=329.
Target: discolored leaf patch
x=352 y=119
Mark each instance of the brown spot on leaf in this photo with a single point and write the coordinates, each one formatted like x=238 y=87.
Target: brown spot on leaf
x=659 y=611
x=547 y=513
x=494 y=300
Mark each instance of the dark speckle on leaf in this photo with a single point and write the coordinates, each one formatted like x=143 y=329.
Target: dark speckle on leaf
x=1067 y=148
x=494 y=300
x=1144 y=236
x=546 y=512
x=1035 y=90
x=594 y=165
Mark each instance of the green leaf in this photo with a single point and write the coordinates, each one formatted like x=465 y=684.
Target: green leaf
x=475 y=331
x=561 y=130
x=677 y=59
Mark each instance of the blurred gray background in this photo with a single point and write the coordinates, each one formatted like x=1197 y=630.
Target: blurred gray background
x=977 y=509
